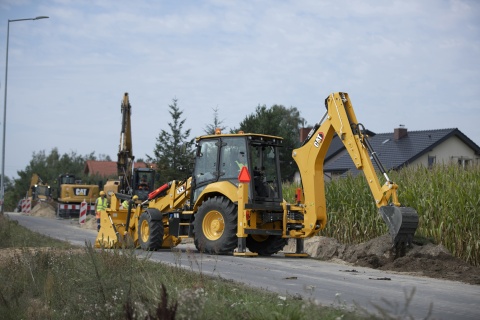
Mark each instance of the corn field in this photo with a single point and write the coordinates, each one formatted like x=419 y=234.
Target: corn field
x=447 y=199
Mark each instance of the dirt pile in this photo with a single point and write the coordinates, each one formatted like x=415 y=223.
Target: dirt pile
x=428 y=259
x=43 y=209
x=90 y=223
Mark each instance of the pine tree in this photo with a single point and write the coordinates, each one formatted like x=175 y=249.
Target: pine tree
x=210 y=129
x=172 y=150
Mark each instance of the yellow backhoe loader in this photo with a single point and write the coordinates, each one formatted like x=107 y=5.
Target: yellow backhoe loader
x=233 y=200
x=39 y=190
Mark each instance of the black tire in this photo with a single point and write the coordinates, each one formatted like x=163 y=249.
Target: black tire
x=215 y=226
x=265 y=245
x=150 y=232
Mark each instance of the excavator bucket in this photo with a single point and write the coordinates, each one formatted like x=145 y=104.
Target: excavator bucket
x=402 y=223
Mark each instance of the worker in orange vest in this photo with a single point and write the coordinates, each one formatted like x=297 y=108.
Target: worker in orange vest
x=100 y=205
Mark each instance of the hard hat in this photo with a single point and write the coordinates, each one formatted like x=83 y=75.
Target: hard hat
x=102 y=193
x=135 y=197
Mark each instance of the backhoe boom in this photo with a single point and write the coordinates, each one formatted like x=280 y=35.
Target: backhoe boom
x=340 y=119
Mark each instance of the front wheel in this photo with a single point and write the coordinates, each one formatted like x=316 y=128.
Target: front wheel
x=215 y=226
x=150 y=232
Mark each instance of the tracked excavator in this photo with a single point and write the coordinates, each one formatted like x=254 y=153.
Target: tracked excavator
x=233 y=203
x=131 y=181
x=70 y=193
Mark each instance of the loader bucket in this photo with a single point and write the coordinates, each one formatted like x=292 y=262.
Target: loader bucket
x=402 y=223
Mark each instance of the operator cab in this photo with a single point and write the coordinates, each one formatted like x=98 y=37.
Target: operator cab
x=42 y=192
x=67 y=179
x=221 y=157
x=143 y=182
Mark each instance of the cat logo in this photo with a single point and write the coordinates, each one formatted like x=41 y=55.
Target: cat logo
x=181 y=189
x=81 y=191
x=318 y=139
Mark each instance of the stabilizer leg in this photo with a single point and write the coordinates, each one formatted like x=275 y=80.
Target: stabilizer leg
x=299 y=249
x=242 y=248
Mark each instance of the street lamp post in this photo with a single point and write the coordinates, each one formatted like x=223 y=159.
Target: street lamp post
x=2 y=191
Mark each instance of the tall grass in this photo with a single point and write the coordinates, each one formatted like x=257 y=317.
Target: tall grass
x=447 y=199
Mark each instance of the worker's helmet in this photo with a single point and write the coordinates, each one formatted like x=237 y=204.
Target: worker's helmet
x=102 y=193
x=135 y=197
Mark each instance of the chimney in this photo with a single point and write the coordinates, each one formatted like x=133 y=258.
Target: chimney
x=400 y=132
x=304 y=133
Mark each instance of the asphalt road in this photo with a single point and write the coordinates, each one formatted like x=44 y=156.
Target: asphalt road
x=324 y=282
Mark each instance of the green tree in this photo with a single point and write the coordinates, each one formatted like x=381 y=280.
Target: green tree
x=172 y=153
x=278 y=121
x=210 y=129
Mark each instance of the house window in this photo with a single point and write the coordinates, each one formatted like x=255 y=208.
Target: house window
x=464 y=162
x=431 y=161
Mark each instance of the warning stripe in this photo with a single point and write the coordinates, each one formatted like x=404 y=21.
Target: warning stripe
x=83 y=213
x=26 y=205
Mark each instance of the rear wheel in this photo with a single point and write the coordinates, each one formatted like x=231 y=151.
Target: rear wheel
x=265 y=245
x=215 y=226
x=150 y=232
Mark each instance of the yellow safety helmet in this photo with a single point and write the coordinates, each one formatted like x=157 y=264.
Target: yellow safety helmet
x=135 y=197
x=102 y=193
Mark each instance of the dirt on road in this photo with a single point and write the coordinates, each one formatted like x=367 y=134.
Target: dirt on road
x=428 y=259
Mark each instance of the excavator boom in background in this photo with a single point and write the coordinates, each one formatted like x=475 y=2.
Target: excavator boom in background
x=131 y=181
x=233 y=201
x=125 y=152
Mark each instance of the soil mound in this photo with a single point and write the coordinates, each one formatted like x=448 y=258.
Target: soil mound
x=43 y=209
x=427 y=259
x=90 y=223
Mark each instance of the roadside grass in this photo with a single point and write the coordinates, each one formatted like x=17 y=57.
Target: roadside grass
x=84 y=283
x=13 y=235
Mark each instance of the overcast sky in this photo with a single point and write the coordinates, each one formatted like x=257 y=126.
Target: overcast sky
x=409 y=62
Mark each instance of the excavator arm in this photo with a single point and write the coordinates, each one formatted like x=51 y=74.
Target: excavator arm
x=125 y=153
x=340 y=119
